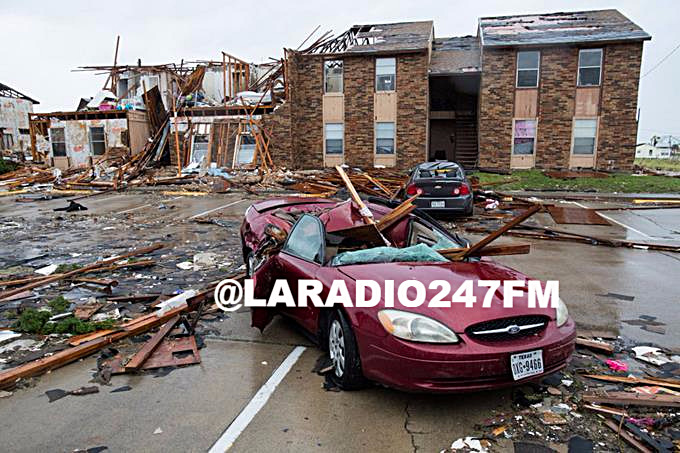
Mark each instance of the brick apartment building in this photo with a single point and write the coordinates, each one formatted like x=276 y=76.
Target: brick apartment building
x=547 y=90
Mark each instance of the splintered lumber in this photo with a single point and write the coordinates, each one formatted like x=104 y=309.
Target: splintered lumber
x=82 y=270
x=492 y=250
x=378 y=184
x=397 y=214
x=673 y=383
x=599 y=346
x=61 y=358
x=498 y=233
x=363 y=209
x=627 y=436
x=632 y=399
x=138 y=359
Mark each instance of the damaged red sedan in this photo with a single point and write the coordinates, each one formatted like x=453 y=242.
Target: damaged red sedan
x=416 y=349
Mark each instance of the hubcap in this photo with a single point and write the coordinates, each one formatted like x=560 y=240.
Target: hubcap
x=336 y=347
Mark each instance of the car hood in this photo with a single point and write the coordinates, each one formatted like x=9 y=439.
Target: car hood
x=458 y=317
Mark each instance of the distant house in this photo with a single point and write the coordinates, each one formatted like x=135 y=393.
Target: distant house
x=14 y=129
x=658 y=148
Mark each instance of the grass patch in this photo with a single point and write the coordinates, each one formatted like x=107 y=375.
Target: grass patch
x=659 y=164
x=536 y=180
x=6 y=166
x=36 y=321
x=59 y=305
x=63 y=268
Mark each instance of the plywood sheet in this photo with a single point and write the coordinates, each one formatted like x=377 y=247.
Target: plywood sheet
x=576 y=215
x=525 y=103
x=587 y=101
x=333 y=108
x=385 y=106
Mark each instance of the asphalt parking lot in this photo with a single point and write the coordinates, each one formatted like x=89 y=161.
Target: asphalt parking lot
x=190 y=408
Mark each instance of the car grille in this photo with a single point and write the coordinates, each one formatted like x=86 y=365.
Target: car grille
x=508 y=328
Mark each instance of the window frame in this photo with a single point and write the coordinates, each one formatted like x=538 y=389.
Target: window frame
x=53 y=142
x=7 y=141
x=325 y=139
x=394 y=138
x=537 y=69
x=535 y=121
x=579 y=67
x=596 y=137
x=342 y=77
x=322 y=250
x=393 y=74
x=92 y=141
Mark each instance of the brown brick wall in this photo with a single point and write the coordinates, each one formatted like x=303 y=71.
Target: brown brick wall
x=359 y=74
x=412 y=109
x=618 y=125
x=278 y=124
x=496 y=108
x=557 y=91
x=305 y=86
x=306 y=109
x=557 y=94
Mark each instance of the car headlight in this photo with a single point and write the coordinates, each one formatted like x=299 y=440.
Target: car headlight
x=414 y=327
x=561 y=312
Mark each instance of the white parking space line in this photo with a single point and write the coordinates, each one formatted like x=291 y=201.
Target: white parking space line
x=145 y=205
x=258 y=401
x=616 y=221
x=216 y=209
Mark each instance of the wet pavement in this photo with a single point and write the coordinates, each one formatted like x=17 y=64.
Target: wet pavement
x=192 y=406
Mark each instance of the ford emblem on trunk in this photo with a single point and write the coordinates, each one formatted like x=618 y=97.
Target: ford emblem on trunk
x=513 y=329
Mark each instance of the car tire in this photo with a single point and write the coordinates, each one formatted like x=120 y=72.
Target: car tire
x=344 y=354
x=468 y=211
x=250 y=262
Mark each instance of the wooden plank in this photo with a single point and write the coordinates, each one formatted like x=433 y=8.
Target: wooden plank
x=98 y=264
x=673 y=383
x=632 y=399
x=627 y=436
x=498 y=250
x=363 y=209
x=498 y=233
x=397 y=214
x=140 y=357
x=576 y=215
x=599 y=346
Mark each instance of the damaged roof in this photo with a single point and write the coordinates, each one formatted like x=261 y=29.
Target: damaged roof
x=402 y=36
x=559 y=28
x=9 y=92
x=456 y=55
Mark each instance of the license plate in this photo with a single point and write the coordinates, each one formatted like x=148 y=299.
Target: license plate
x=438 y=204
x=526 y=364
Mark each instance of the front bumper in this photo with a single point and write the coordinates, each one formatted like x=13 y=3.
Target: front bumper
x=450 y=204
x=463 y=367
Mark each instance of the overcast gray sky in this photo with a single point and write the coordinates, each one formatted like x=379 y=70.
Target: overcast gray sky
x=43 y=41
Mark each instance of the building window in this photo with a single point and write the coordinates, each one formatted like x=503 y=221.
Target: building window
x=24 y=131
x=385 y=74
x=524 y=137
x=589 y=67
x=7 y=140
x=528 y=63
x=334 y=138
x=585 y=132
x=332 y=76
x=97 y=141
x=58 y=140
x=384 y=138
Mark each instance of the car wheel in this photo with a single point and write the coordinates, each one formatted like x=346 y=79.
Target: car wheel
x=344 y=354
x=468 y=211
x=250 y=264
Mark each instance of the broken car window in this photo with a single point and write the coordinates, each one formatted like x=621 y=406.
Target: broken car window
x=306 y=239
